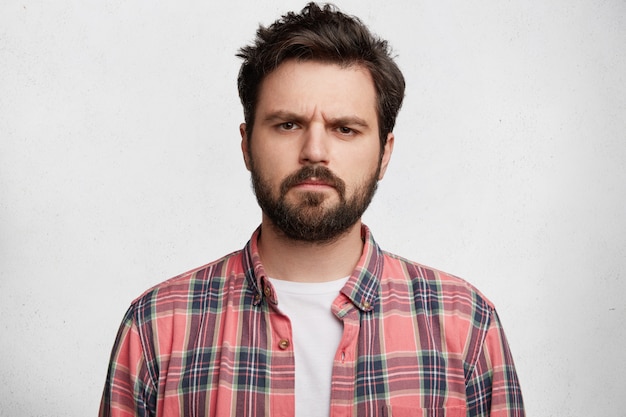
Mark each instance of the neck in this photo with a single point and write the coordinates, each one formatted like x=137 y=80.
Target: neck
x=298 y=261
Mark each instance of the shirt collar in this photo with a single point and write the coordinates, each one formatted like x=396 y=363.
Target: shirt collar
x=362 y=288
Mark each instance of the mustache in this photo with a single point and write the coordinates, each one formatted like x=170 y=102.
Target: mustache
x=318 y=172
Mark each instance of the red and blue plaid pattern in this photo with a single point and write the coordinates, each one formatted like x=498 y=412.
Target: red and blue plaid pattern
x=212 y=342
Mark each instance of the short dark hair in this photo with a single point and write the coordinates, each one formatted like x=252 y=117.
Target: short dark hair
x=326 y=35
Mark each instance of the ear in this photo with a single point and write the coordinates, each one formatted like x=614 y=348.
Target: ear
x=387 y=150
x=245 y=150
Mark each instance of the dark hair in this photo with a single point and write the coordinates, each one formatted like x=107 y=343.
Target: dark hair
x=326 y=35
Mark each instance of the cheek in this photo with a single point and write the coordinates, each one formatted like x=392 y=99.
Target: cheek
x=361 y=165
x=268 y=170
x=362 y=175
x=267 y=156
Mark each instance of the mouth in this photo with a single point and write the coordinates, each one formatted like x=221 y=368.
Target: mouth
x=313 y=184
x=313 y=179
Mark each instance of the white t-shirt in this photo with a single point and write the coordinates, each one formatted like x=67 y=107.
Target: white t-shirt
x=316 y=336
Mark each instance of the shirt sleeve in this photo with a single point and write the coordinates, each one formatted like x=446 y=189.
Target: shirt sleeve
x=129 y=391
x=493 y=388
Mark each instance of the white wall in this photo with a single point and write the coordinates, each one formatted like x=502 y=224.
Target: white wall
x=120 y=167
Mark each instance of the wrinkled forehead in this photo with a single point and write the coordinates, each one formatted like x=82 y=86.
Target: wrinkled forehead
x=305 y=86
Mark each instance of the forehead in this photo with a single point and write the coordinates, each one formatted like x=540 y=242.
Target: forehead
x=306 y=87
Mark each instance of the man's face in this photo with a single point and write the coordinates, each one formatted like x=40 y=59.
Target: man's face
x=315 y=154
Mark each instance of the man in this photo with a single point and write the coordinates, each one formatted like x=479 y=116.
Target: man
x=311 y=318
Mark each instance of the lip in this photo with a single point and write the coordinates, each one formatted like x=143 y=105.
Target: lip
x=313 y=183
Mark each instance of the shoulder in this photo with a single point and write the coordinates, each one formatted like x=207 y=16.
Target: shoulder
x=165 y=315
x=456 y=313
x=192 y=285
x=428 y=282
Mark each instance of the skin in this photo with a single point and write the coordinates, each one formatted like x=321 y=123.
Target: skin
x=313 y=113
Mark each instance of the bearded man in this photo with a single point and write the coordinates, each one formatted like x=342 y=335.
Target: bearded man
x=312 y=318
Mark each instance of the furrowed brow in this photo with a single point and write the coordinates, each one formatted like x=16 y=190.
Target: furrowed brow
x=282 y=116
x=349 y=121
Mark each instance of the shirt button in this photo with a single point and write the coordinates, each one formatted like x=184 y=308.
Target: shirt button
x=366 y=305
x=267 y=291
x=283 y=344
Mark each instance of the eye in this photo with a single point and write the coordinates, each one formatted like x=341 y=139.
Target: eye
x=287 y=126
x=345 y=130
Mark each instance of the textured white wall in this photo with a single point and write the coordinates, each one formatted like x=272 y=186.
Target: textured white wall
x=120 y=167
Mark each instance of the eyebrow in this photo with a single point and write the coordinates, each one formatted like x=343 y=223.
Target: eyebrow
x=349 y=121
x=281 y=115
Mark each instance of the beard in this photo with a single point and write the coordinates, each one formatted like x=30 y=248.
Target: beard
x=307 y=219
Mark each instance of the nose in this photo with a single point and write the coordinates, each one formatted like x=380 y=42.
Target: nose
x=315 y=146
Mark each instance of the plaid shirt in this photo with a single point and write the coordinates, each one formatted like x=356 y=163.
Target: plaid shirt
x=213 y=342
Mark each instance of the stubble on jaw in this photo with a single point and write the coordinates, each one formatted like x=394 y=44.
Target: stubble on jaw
x=307 y=219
